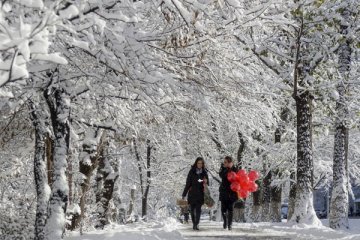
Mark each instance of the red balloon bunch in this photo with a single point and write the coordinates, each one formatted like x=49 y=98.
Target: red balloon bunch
x=243 y=183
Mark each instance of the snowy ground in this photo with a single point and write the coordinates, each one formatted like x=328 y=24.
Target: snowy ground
x=213 y=230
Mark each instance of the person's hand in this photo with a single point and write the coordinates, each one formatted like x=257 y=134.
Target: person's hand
x=205 y=180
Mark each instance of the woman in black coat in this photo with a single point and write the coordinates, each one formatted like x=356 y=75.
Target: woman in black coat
x=227 y=196
x=194 y=188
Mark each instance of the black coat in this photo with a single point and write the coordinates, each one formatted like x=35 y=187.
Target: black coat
x=226 y=194
x=193 y=188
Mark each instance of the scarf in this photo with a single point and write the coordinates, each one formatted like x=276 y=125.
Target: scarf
x=199 y=171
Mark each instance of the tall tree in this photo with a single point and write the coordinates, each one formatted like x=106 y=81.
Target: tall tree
x=338 y=218
x=40 y=171
x=59 y=105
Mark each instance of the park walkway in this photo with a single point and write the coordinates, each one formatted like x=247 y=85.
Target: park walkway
x=214 y=230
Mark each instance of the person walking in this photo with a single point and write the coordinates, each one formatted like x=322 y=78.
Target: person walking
x=194 y=189
x=227 y=196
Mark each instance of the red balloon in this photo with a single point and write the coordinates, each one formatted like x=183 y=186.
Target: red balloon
x=231 y=176
x=244 y=180
x=252 y=186
x=241 y=173
x=235 y=186
x=243 y=193
x=245 y=185
x=254 y=175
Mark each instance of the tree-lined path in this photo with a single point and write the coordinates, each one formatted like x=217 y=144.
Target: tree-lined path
x=105 y=105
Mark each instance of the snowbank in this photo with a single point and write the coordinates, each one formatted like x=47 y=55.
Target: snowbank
x=135 y=231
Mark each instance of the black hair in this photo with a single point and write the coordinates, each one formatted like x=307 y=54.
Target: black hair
x=229 y=159
x=197 y=160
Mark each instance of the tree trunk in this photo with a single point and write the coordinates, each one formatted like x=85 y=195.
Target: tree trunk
x=266 y=198
x=239 y=206
x=292 y=195
x=99 y=181
x=110 y=175
x=338 y=218
x=132 y=201
x=256 y=207
x=120 y=214
x=70 y=177
x=89 y=159
x=256 y=212
x=42 y=187
x=241 y=150
x=275 y=205
x=215 y=137
x=148 y=180
x=49 y=146
x=59 y=105
x=304 y=209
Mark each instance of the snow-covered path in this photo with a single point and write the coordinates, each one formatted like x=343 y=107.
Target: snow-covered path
x=214 y=231
x=169 y=229
x=260 y=231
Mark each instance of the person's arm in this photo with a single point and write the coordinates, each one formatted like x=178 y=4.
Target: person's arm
x=187 y=185
x=207 y=179
x=223 y=171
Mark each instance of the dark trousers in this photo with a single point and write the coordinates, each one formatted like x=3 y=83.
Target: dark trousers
x=195 y=210
x=227 y=208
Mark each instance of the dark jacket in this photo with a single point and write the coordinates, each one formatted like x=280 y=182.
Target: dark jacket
x=226 y=194
x=194 y=188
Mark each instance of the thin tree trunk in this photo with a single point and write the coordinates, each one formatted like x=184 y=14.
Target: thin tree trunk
x=338 y=218
x=275 y=205
x=148 y=179
x=266 y=198
x=239 y=206
x=132 y=201
x=70 y=178
x=99 y=180
x=42 y=187
x=59 y=105
x=49 y=147
x=257 y=196
x=215 y=137
x=241 y=150
x=139 y=165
